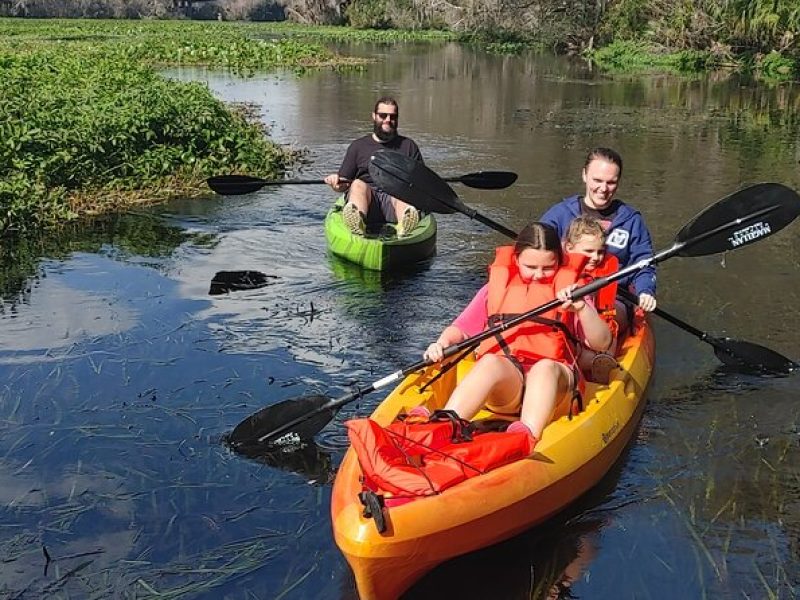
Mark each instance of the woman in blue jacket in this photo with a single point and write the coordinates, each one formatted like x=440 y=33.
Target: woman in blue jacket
x=627 y=235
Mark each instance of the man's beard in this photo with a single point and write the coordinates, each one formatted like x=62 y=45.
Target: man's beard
x=384 y=136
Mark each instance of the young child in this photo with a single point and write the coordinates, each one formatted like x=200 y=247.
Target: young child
x=531 y=367
x=586 y=236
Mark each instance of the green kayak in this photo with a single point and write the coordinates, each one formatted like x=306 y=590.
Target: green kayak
x=381 y=250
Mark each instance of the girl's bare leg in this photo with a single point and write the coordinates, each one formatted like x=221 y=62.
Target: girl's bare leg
x=546 y=384
x=494 y=379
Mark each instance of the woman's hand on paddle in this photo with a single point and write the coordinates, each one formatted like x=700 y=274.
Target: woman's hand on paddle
x=565 y=296
x=647 y=302
x=339 y=184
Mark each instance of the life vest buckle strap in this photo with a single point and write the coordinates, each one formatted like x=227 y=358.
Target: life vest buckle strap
x=461 y=427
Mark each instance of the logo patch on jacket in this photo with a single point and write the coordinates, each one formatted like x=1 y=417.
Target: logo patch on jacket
x=618 y=238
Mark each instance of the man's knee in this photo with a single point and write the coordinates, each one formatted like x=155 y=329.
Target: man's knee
x=360 y=187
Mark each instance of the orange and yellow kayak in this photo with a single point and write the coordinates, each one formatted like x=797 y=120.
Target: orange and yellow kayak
x=572 y=456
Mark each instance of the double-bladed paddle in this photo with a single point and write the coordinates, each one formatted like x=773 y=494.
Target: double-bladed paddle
x=412 y=181
x=236 y=185
x=740 y=219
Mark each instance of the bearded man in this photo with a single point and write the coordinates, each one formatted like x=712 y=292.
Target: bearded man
x=365 y=202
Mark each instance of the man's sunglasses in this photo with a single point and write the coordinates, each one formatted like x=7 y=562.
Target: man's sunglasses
x=384 y=116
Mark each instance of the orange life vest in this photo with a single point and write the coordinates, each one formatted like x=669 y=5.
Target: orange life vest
x=605 y=299
x=408 y=460
x=545 y=336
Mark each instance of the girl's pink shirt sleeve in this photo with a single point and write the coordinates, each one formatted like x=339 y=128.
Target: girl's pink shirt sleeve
x=473 y=319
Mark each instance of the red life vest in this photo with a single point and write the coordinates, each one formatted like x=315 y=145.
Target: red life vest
x=509 y=296
x=409 y=460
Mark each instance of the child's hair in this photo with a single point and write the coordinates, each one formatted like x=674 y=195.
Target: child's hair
x=606 y=154
x=584 y=225
x=538 y=236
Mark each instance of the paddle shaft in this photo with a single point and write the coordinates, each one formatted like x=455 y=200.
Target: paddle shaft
x=728 y=351
x=577 y=293
x=627 y=295
x=297 y=182
x=336 y=403
x=455 y=179
x=745 y=352
x=473 y=214
x=630 y=297
x=479 y=179
x=740 y=219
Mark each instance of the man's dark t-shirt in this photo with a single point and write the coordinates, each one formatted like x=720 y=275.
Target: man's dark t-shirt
x=356 y=160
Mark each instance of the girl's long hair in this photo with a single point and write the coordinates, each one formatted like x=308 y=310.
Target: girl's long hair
x=538 y=236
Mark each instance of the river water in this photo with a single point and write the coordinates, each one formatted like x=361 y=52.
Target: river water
x=119 y=373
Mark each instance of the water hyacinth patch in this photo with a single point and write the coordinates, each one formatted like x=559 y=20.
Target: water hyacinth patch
x=89 y=125
x=87 y=122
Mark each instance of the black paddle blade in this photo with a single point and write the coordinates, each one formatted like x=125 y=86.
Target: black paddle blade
x=411 y=181
x=307 y=460
x=258 y=428
x=749 y=357
x=742 y=218
x=234 y=281
x=235 y=185
x=488 y=180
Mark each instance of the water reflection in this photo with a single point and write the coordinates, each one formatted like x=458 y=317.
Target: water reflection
x=58 y=316
x=144 y=238
x=350 y=273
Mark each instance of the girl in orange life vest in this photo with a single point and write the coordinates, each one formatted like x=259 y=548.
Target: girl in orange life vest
x=509 y=373
x=586 y=236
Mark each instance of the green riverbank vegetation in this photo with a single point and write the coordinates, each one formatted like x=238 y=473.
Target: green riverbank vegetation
x=90 y=126
x=85 y=132
x=761 y=37
x=758 y=37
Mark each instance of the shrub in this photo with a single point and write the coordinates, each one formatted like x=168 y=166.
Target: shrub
x=777 y=67
x=368 y=14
